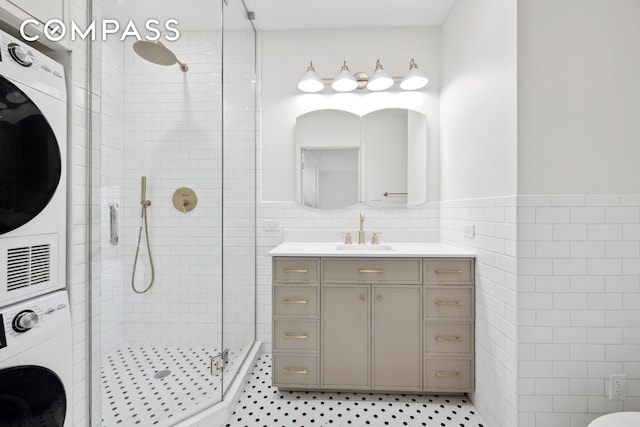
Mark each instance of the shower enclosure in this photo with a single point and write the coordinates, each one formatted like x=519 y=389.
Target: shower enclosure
x=171 y=353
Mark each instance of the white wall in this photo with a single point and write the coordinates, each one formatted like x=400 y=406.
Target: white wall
x=478 y=100
x=579 y=218
x=285 y=58
x=478 y=145
x=578 y=91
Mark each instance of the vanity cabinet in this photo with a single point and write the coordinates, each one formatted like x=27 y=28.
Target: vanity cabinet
x=373 y=323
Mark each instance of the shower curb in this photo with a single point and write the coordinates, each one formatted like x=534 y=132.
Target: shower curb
x=218 y=414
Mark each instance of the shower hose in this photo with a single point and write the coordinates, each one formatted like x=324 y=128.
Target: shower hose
x=143 y=223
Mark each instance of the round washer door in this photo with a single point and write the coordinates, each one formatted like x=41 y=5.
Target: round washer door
x=31 y=396
x=30 y=163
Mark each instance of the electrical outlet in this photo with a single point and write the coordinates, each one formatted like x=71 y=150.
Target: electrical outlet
x=617 y=386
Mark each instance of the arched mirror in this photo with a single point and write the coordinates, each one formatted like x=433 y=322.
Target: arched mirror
x=379 y=159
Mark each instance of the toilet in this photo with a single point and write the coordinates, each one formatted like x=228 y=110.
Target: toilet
x=617 y=419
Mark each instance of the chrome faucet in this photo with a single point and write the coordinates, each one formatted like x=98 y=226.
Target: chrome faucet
x=361 y=238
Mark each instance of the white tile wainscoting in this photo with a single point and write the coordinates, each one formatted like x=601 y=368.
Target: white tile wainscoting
x=579 y=306
x=494 y=241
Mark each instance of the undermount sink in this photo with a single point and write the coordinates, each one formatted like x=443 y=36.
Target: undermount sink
x=365 y=248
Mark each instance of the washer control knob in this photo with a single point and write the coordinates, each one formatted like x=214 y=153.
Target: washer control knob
x=19 y=55
x=25 y=320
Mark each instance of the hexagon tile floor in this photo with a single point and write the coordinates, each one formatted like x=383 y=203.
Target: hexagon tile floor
x=261 y=405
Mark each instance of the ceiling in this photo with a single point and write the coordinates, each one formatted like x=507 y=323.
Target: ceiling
x=286 y=14
x=316 y=14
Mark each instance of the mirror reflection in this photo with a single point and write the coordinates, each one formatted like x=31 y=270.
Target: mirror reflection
x=379 y=159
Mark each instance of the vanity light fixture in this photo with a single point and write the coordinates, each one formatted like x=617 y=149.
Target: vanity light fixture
x=414 y=79
x=310 y=82
x=345 y=81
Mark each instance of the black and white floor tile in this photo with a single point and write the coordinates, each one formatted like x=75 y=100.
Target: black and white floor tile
x=149 y=386
x=263 y=405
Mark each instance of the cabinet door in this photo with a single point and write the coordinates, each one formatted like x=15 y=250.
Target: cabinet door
x=397 y=351
x=345 y=336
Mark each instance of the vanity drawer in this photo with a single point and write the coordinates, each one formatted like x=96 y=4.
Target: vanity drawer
x=448 y=271
x=372 y=270
x=296 y=300
x=296 y=270
x=448 y=302
x=295 y=370
x=448 y=338
x=297 y=335
x=453 y=375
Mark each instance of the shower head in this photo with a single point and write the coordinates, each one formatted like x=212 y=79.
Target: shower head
x=157 y=53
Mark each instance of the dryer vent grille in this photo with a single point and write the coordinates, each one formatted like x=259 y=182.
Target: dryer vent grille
x=27 y=266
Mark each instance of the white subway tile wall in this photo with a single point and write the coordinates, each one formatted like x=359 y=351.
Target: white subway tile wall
x=496 y=338
x=172 y=135
x=579 y=306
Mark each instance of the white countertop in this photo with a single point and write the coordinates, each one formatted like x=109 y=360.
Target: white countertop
x=337 y=249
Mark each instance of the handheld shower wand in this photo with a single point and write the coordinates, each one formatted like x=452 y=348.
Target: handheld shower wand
x=143 y=222
x=143 y=195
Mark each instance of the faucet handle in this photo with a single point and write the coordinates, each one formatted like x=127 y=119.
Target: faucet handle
x=374 y=238
x=347 y=237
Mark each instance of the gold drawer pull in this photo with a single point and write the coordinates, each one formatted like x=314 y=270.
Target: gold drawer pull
x=302 y=301
x=449 y=304
x=375 y=270
x=448 y=271
x=448 y=339
x=295 y=337
x=295 y=371
x=441 y=374
x=293 y=270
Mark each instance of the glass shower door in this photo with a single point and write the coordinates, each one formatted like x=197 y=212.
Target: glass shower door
x=239 y=183
x=151 y=350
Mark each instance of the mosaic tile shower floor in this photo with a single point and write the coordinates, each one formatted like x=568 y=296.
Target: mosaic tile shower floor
x=148 y=386
x=261 y=405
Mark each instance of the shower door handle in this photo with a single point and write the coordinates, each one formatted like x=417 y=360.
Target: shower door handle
x=113 y=224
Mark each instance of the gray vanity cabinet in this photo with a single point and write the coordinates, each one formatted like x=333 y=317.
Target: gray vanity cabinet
x=379 y=324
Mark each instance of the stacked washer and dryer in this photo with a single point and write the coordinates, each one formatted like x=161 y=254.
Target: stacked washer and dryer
x=35 y=321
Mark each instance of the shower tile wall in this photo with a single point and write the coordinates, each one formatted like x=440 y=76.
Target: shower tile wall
x=173 y=137
x=166 y=125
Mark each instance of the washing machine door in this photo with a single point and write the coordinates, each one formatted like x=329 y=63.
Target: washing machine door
x=30 y=162
x=31 y=396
